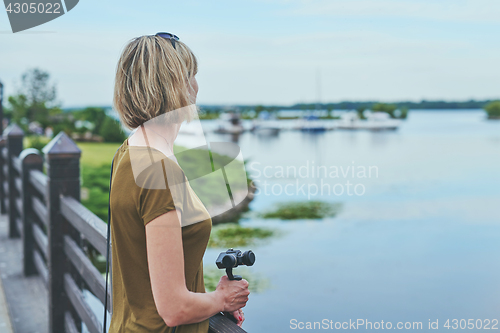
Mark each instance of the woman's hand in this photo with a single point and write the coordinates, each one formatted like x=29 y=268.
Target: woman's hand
x=234 y=293
x=238 y=314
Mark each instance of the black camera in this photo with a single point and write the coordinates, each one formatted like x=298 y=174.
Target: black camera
x=233 y=258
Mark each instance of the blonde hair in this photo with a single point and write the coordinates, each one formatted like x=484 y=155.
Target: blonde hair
x=153 y=78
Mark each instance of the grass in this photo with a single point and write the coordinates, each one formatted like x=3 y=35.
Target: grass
x=35 y=141
x=233 y=235
x=96 y=154
x=95 y=189
x=303 y=210
x=95 y=168
x=93 y=154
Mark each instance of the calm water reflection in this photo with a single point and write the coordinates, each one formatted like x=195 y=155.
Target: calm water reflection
x=421 y=243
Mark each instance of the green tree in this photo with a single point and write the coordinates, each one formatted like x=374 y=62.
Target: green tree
x=404 y=112
x=384 y=107
x=95 y=115
x=35 y=100
x=17 y=109
x=493 y=110
x=111 y=130
x=360 y=109
x=259 y=108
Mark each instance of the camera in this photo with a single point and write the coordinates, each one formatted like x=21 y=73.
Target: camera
x=233 y=258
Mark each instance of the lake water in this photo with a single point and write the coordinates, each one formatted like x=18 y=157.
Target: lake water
x=418 y=241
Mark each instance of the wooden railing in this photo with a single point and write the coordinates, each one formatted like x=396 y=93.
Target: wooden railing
x=45 y=211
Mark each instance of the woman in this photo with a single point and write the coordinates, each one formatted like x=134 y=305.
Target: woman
x=160 y=228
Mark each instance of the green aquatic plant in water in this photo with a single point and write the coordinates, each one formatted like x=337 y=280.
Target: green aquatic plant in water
x=256 y=282
x=303 y=210
x=233 y=235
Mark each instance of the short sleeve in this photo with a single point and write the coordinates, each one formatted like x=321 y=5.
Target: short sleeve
x=155 y=195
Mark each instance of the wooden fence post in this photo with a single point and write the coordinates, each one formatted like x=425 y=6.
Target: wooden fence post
x=62 y=161
x=31 y=160
x=15 y=137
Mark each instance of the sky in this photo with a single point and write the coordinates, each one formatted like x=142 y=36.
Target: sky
x=277 y=52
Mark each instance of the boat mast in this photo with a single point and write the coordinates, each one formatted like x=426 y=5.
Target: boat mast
x=318 y=89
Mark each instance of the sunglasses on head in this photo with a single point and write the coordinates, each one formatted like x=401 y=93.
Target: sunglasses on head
x=168 y=35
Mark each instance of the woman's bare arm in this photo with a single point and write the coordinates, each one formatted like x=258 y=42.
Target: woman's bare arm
x=174 y=302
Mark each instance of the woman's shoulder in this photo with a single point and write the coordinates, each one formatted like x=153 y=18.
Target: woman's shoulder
x=148 y=167
x=159 y=174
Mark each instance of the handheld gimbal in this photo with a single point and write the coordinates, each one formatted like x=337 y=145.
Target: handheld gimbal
x=233 y=258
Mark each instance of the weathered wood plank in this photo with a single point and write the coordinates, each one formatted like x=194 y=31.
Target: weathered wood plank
x=82 y=308
x=222 y=324
x=41 y=267
x=41 y=239
x=31 y=160
x=6 y=188
x=39 y=181
x=15 y=147
x=87 y=270
x=19 y=225
x=17 y=164
x=69 y=323
x=19 y=184
x=40 y=209
x=86 y=222
x=19 y=205
x=5 y=153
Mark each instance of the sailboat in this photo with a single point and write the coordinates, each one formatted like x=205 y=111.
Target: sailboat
x=229 y=123
x=265 y=124
x=375 y=121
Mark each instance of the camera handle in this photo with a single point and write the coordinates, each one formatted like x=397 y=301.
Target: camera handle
x=229 y=272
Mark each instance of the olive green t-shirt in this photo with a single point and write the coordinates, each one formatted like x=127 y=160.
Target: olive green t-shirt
x=139 y=195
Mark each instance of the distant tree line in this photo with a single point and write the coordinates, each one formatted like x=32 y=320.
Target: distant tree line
x=424 y=104
x=395 y=110
x=355 y=105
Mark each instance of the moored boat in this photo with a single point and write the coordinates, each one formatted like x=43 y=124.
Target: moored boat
x=229 y=123
x=375 y=121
